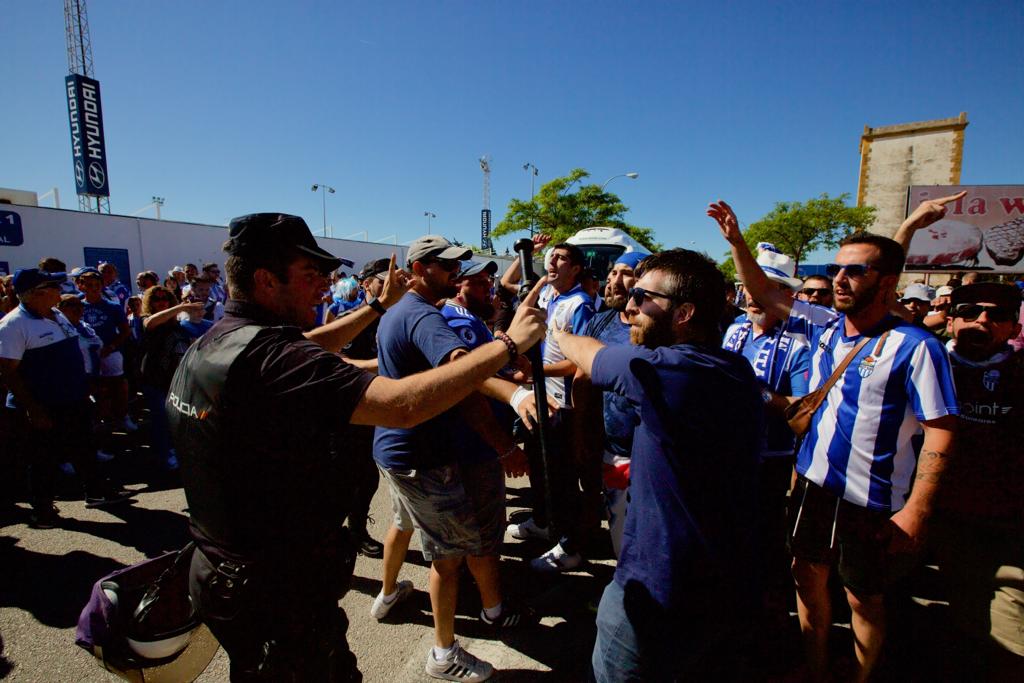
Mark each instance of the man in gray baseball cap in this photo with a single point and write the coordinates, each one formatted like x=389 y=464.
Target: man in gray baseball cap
x=436 y=248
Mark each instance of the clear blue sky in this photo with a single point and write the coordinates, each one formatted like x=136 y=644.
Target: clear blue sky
x=226 y=108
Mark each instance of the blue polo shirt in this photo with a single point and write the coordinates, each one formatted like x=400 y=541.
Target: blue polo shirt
x=693 y=474
x=105 y=317
x=412 y=337
x=51 y=363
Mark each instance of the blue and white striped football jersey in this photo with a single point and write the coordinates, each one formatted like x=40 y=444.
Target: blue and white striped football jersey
x=863 y=441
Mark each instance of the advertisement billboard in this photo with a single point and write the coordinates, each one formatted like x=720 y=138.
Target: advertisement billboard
x=982 y=231
x=88 y=150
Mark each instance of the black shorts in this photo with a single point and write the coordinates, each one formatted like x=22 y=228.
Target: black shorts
x=829 y=530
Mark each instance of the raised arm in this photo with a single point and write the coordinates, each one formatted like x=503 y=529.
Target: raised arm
x=757 y=284
x=411 y=400
x=579 y=350
x=926 y=213
x=340 y=331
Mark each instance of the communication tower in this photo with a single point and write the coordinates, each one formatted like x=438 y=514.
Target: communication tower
x=76 y=30
x=485 y=214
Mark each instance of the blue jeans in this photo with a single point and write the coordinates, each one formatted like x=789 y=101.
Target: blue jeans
x=639 y=640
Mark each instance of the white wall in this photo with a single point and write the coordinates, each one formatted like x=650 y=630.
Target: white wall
x=151 y=244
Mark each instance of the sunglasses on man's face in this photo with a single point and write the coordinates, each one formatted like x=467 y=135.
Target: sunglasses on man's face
x=971 y=312
x=638 y=295
x=852 y=269
x=811 y=291
x=447 y=265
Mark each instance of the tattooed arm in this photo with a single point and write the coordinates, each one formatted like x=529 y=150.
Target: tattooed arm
x=908 y=526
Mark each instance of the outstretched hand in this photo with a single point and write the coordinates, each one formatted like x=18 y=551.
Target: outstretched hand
x=726 y=219
x=395 y=285
x=530 y=323
x=930 y=211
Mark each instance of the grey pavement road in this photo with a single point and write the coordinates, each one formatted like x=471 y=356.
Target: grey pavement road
x=49 y=573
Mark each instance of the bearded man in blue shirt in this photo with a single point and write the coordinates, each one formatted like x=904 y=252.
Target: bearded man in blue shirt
x=684 y=583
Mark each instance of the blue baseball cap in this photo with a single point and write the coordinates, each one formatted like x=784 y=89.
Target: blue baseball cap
x=30 y=278
x=631 y=259
x=84 y=270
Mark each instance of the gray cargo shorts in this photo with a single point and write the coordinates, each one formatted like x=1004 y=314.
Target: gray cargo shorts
x=435 y=503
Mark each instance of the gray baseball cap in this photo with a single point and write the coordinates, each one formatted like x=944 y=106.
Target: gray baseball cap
x=473 y=267
x=435 y=246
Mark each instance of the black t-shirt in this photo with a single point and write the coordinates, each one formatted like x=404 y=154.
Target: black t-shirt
x=258 y=435
x=162 y=349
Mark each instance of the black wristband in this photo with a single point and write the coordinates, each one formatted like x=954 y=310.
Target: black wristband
x=376 y=305
x=513 y=350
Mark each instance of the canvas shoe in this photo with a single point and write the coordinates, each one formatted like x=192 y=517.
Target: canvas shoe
x=556 y=560
x=528 y=529
x=379 y=609
x=459 y=665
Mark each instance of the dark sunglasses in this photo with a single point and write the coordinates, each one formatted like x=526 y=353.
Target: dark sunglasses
x=638 y=294
x=852 y=269
x=971 y=312
x=811 y=291
x=444 y=264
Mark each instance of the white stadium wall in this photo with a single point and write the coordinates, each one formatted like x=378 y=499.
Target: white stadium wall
x=150 y=244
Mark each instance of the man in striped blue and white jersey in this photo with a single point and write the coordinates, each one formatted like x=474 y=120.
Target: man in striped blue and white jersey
x=858 y=502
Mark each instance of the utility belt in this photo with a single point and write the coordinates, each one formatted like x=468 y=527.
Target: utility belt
x=228 y=583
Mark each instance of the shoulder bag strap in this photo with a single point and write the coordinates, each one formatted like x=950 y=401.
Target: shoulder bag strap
x=822 y=391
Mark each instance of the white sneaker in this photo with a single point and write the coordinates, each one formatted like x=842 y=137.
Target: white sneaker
x=379 y=609
x=528 y=529
x=459 y=665
x=556 y=560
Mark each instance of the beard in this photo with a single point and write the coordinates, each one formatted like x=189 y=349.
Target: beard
x=652 y=333
x=617 y=302
x=481 y=309
x=860 y=301
x=758 y=319
x=975 y=344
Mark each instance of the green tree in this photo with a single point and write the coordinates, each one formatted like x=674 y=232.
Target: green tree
x=557 y=212
x=799 y=228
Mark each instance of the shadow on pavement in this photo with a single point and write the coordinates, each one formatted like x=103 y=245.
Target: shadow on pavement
x=53 y=588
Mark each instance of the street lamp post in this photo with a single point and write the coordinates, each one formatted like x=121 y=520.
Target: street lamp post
x=324 y=190
x=633 y=175
x=429 y=216
x=532 y=170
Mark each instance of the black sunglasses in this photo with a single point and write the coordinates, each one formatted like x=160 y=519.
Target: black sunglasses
x=638 y=294
x=445 y=264
x=852 y=269
x=820 y=291
x=996 y=314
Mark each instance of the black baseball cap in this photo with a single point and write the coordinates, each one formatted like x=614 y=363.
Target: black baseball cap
x=375 y=267
x=1002 y=295
x=262 y=233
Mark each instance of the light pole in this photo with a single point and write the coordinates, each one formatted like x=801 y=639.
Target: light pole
x=429 y=216
x=155 y=202
x=633 y=175
x=532 y=170
x=324 y=189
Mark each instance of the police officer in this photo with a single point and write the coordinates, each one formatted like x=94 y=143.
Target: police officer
x=256 y=408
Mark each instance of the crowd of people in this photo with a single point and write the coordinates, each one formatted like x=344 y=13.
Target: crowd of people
x=737 y=440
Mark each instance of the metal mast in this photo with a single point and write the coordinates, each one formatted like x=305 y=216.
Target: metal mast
x=485 y=214
x=76 y=30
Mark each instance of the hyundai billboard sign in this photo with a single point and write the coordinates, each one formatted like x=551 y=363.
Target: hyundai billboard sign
x=88 y=150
